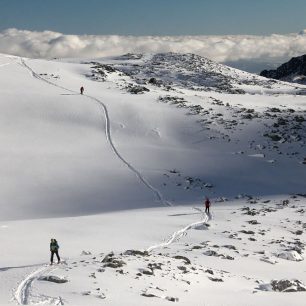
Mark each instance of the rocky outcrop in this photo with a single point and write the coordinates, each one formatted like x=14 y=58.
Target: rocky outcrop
x=53 y=279
x=292 y=71
x=283 y=285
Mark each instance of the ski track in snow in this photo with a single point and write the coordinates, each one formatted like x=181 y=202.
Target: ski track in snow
x=180 y=233
x=155 y=191
x=22 y=293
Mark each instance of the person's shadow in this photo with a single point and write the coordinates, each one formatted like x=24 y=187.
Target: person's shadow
x=19 y=267
x=69 y=94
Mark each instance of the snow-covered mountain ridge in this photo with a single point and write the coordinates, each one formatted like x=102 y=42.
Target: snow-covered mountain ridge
x=194 y=72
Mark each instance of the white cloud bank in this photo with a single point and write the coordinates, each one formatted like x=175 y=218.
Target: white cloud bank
x=47 y=44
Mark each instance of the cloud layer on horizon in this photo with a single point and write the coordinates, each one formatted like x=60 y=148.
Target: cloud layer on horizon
x=229 y=48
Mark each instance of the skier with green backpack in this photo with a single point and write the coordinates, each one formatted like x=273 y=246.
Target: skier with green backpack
x=54 y=250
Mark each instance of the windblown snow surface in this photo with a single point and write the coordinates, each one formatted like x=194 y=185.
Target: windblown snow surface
x=118 y=176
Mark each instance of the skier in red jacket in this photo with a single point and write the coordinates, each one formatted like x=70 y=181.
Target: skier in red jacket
x=207 y=205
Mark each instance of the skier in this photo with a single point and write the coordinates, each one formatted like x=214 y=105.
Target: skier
x=82 y=90
x=207 y=205
x=54 y=250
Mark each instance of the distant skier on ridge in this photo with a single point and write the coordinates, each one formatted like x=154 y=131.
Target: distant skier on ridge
x=54 y=250
x=81 y=90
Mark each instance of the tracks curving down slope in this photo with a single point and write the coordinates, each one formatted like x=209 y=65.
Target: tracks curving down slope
x=158 y=195
x=22 y=293
x=176 y=236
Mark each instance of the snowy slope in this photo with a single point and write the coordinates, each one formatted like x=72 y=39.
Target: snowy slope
x=229 y=260
x=151 y=132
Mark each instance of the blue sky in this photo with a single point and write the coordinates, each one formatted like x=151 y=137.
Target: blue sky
x=155 y=17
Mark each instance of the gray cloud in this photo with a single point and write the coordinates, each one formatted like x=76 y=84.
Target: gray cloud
x=231 y=48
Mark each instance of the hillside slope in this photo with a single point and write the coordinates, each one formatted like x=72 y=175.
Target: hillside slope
x=150 y=131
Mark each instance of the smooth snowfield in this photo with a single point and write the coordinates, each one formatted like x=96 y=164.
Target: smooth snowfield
x=127 y=165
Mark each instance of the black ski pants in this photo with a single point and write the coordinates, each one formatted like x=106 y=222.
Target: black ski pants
x=52 y=255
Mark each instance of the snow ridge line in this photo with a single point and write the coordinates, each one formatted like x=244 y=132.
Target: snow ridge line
x=178 y=234
x=22 y=293
x=155 y=191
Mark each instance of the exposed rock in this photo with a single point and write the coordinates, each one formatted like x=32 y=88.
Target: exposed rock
x=101 y=296
x=149 y=295
x=86 y=293
x=53 y=279
x=197 y=247
x=249 y=211
x=182 y=268
x=230 y=247
x=287 y=285
x=273 y=137
x=171 y=299
x=111 y=262
x=214 y=253
x=86 y=253
x=186 y=260
x=108 y=257
x=147 y=271
x=253 y=222
x=211 y=253
x=130 y=56
x=247 y=232
x=99 y=72
x=215 y=279
x=290 y=255
x=136 y=252
x=137 y=89
x=291 y=71
x=268 y=260
x=115 y=263
x=155 y=82
x=155 y=266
